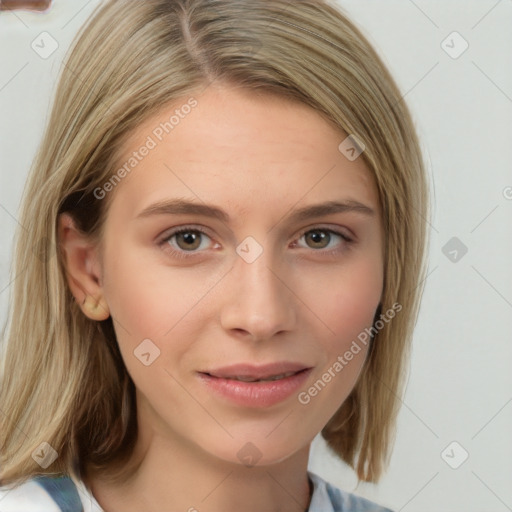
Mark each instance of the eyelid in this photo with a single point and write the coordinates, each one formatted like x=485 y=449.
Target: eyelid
x=336 y=230
x=168 y=233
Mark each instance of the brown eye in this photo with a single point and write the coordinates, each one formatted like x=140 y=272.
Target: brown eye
x=188 y=240
x=325 y=241
x=319 y=238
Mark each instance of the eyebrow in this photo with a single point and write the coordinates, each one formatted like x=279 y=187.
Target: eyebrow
x=182 y=206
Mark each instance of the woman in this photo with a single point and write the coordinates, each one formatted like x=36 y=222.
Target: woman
x=225 y=258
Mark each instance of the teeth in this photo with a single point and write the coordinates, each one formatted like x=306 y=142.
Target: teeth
x=252 y=379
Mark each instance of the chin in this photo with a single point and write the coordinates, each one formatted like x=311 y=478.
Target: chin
x=255 y=452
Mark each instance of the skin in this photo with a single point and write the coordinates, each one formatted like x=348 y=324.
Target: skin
x=259 y=158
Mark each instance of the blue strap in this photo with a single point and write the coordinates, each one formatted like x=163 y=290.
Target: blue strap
x=63 y=491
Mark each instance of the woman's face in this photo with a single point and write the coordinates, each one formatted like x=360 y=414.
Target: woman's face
x=252 y=283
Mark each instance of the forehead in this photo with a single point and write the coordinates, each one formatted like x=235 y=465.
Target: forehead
x=243 y=149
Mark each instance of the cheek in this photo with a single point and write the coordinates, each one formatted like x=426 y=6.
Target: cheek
x=346 y=300
x=353 y=309
x=151 y=301
x=143 y=295
x=133 y=296
x=347 y=307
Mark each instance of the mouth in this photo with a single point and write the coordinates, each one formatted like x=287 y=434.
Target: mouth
x=251 y=386
x=250 y=373
x=249 y=378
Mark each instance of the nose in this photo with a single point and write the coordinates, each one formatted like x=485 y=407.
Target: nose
x=258 y=299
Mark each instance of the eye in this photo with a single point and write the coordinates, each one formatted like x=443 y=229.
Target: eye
x=184 y=240
x=321 y=238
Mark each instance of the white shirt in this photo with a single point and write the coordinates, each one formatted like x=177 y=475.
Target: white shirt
x=30 y=496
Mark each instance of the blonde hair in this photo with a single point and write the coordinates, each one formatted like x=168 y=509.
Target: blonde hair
x=63 y=379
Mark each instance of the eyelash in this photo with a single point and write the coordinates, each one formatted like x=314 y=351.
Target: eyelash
x=190 y=254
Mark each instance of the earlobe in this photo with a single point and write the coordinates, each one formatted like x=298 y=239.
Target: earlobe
x=80 y=259
x=95 y=309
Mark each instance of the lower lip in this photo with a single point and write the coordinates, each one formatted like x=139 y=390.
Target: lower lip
x=256 y=394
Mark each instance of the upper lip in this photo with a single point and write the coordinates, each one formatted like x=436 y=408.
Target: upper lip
x=256 y=372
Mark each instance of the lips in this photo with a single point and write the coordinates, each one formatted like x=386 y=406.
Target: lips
x=251 y=373
x=242 y=378
x=255 y=386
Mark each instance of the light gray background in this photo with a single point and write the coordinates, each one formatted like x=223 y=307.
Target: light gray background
x=459 y=387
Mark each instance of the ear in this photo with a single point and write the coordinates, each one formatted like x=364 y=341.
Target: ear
x=83 y=269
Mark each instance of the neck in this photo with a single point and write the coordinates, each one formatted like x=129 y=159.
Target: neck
x=172 y=474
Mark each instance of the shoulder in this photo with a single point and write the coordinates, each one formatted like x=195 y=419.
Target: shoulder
x=328 y=498
x=48 y=493
x=28 y=496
